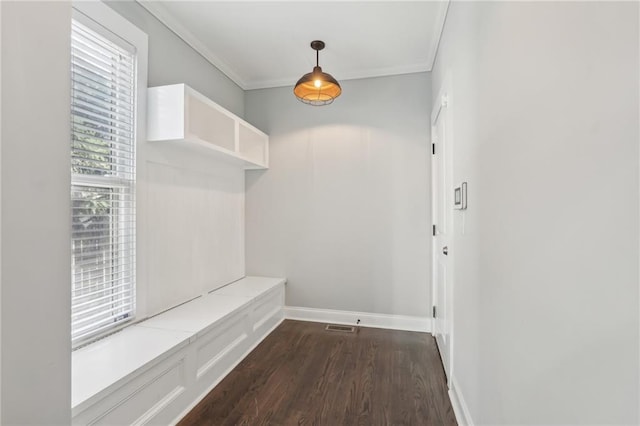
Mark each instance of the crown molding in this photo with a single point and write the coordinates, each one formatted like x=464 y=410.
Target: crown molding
x=437 y=32
x=377 y=72
x=161 y=14
x=156 y=9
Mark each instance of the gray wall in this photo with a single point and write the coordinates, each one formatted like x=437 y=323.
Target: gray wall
x=343 y=211
x=545 y=109
x=36 y=226
x=173 y=61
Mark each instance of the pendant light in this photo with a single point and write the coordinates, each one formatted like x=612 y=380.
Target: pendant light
x=317 y=87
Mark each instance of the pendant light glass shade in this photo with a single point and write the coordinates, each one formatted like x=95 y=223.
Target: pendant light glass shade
x=317 y=87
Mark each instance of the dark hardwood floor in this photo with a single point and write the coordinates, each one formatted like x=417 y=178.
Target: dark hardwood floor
x=304 y=375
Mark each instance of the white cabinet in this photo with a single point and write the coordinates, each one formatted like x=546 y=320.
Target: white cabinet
x=177 y=113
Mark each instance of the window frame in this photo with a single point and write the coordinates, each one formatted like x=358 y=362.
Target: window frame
x=100 y=18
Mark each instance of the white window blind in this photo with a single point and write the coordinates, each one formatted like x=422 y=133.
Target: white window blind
x=103 y=183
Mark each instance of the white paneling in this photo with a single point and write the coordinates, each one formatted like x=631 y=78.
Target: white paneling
x=154 y=372
x=141 y=396
x=195 y=223
x=118 y=356
x=344 y=209
x=35 y=176
x=150 y=398
x=551 y=231
x=215 y=345
x=265 y=309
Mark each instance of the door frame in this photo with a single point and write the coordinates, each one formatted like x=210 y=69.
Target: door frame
x=442 y=104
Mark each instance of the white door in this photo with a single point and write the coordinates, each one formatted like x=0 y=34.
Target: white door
x=442 y=205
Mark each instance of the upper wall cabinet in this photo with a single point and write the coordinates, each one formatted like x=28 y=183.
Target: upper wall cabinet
x=179 y=113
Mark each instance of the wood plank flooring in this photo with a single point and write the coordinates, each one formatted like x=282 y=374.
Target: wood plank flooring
x=303 y=375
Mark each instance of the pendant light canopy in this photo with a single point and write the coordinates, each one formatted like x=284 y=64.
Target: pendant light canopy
x=317 y=87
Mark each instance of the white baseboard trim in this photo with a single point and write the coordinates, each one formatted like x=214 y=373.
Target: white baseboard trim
x=394 y=322
x=463 y=417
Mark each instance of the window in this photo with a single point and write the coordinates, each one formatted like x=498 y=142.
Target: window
x=103 y=180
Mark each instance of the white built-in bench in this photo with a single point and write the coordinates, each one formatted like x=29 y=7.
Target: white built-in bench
x=155 y=371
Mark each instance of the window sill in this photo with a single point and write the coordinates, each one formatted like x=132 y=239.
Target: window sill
x=105 y=366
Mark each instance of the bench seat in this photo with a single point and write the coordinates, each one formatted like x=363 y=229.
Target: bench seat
x=155 y=371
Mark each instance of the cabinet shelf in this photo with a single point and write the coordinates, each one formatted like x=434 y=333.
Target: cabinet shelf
x=177 y=113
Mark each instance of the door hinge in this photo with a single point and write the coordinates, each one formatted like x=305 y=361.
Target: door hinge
x=433 y=149
x=434 y=311
x=433 y=230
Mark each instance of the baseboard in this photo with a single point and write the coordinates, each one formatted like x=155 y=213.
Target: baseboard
x=394 y=322
x=460 y=408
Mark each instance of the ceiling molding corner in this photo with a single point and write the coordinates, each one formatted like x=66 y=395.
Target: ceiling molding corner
x=378 y=72
x=270 y=84
x=437 y=33
x=387 y=72
x=161 y=14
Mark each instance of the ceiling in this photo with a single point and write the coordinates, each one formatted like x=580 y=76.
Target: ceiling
x=266 y=44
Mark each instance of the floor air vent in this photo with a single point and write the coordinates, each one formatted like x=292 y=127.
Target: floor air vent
x=340 y=328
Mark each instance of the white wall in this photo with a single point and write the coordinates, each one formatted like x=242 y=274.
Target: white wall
x=172 y=61
x=35 y=176
x=191 y=224
x=545 y=109
x=343 y=212
x=190 y=208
